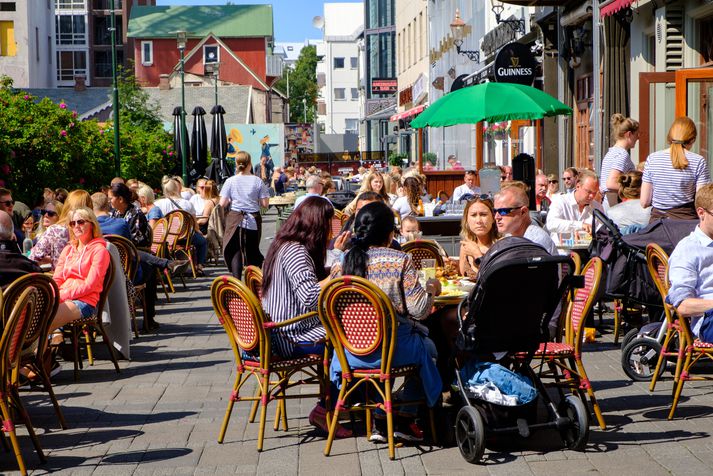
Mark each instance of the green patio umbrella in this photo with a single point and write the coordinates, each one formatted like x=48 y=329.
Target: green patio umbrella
x=492 y=102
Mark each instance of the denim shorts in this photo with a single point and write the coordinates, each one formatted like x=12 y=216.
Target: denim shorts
x=85 y=310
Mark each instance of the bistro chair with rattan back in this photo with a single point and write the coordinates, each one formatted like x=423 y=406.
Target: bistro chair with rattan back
x=253 y=279
x=423 y=249
x=337 y=222
x=130 y=263
x=183 y=246
x=88 y=326
x=35 y=344
x=565 y=358
x=657 y=263
x=248 y=330
x=360 y=319
x=563 y=328
x=175 y=223
x=11 y=343
x=158 y=248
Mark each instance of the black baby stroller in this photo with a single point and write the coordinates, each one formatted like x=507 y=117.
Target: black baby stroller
x=517 y=291
x=628 y=281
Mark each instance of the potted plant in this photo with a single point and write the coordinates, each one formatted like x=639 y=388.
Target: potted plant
x=430 y=158
x=397 y=158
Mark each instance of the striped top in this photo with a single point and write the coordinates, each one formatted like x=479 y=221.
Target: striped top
x=294 y=291
x=674 y=187
x=617 y=158
x=244 y=193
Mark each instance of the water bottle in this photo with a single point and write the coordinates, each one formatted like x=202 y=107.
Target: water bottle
x=26 y=246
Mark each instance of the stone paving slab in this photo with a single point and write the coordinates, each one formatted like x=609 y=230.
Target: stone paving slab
x=162 y=413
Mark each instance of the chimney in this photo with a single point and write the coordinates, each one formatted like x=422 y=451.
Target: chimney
x=163 y=82
x=79 y=83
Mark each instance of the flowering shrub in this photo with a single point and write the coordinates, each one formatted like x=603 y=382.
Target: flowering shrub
x=496 y=130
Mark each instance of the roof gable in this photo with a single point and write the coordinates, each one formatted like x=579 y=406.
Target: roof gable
x=227 y=21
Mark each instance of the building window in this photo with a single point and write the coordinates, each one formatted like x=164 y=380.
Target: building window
x=339 y=94
x=7 y=6
x=355 y=94
x=147 y=53
x=338 y=63
x=71 y=4
x=351 y=126
x=353 y=62
x=106 y=5
x=71 y=29
x=7 y=38
x=71 y=64
x=102 y=62
x=211 y=54
x=102 y=32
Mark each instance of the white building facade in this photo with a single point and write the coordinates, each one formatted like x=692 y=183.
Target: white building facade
x=26 y=43
x=338 y=69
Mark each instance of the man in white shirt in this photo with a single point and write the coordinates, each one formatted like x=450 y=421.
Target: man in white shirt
x=572 y=212
x=468 y=188
x=513 y=218
x=314 y=189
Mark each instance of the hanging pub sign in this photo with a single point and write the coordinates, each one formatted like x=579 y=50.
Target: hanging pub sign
x=384 y=85
x=515 y=63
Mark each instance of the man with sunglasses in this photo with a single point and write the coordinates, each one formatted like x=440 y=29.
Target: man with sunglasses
x=513 y=217
x=7 y=204
x=13 y=264
x=569 y=176
x=572 y=212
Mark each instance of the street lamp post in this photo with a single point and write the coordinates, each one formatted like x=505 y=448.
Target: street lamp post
x=115 y=92
x=213 y=69
x=181 y=39
x=304 y=109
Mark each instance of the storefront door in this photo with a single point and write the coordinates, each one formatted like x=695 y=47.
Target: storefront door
x=694 y=91
x=657 y=103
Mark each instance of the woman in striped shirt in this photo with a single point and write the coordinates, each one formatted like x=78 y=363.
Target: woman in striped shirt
x=672 y=176
x=293 y=276
x=617 y=161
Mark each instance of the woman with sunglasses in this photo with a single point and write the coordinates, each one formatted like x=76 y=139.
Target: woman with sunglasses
x=478 y=233
x=49 y=215
x=80 y=269
x=49 y=246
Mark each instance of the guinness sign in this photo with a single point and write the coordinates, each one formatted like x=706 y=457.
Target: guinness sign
x=515 y=63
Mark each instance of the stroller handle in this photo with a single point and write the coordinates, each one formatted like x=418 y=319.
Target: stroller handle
x=616 y=234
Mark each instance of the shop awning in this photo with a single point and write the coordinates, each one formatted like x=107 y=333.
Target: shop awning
x=612 y=6
x=408 y=113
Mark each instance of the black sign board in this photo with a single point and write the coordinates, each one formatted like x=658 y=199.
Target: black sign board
x=384 y=85
x=515 y=63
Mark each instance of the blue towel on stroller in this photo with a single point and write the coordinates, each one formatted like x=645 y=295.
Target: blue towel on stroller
x=476 y=374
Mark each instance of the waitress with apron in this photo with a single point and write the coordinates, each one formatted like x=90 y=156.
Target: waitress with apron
x=244 y=194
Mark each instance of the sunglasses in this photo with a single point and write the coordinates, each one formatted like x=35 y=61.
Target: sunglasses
x=8 y=203
x=503 y=177
x=78 y=222
x=554 y=181
x=49 y=213
x=505 y=210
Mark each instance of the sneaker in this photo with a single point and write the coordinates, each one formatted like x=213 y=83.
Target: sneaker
x=408 y=431
x=377 y=435
x=177 y=265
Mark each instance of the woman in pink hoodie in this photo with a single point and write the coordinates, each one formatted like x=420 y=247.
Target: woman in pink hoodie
x=81 y=268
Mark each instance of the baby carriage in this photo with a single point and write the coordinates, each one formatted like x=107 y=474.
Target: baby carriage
x=509 y=309
x=629 y=282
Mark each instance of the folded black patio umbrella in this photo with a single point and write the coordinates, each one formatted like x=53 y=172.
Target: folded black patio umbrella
x=218 y=170
x=178 y=125
x=199 y=146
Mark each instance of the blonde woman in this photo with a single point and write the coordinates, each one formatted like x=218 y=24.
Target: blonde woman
x=672 y=176
x=478 y=233
x=50 y=245
x=373 y=182
x=625 y=132
x=209 y=195
x=80 y=269
x=146 y=200
x=243 y=195
x=50 y=213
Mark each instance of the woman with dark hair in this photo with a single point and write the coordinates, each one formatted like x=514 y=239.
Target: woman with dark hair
x=123 y=206
x=293 y=276
x=393 y=272
x=243 y=195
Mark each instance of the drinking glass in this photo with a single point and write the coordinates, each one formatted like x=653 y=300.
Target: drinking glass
x=428 y=266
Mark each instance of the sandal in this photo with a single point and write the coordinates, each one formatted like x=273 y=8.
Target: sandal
x=318 y=419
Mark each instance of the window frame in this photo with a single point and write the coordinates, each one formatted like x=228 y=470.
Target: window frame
x=344 y=94
x=144 y=62
x=217 y=51
x=334 y=62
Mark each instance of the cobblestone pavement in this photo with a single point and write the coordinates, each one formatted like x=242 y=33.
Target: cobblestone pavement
x=162 y=413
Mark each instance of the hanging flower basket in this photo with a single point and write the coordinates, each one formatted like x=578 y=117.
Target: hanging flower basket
x=497 y=131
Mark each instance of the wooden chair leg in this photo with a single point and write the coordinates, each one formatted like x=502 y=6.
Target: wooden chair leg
x=661 y=359
x=9 y=428
x=253 y=409
x=264 y=397
x=229 y=410
x=17 y=403
x=90 y=356
x=335 y=419
x=75 y=346
x=389 y=419
x=46 y=382
x=617 y=320
x=159 y=278
x=110 y=347
x=679 y=388
x=170 y=282
x=584 y=381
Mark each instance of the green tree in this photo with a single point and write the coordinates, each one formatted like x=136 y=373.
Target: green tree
x=303 y=85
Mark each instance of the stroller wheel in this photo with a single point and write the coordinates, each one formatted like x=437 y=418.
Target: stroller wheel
x=629 y=336
x=639 y=358
x=576 y=434
x=470 y=434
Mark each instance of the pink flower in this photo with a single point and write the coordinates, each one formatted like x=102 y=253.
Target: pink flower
x=164 y=151
x=27 y=97
x=71 y=124
x=74 y=114
x=101 y=131
x=63 y=133
x=62 y=105
x=81 y=180
x=170 y=154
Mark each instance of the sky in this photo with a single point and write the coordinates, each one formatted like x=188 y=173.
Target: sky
x=292 y=18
